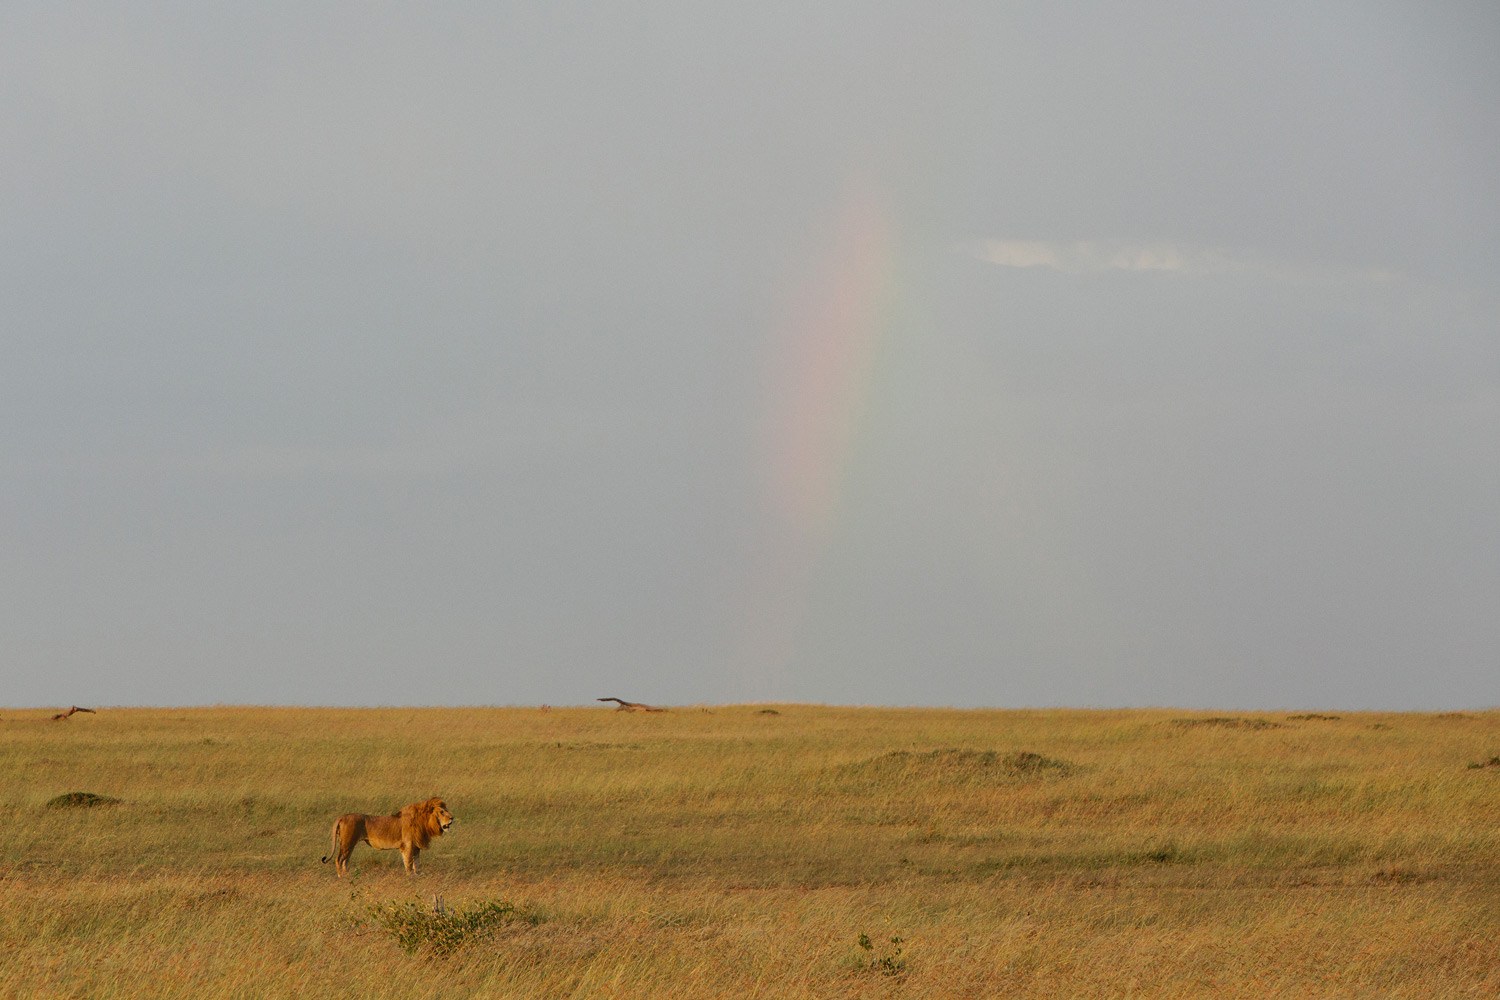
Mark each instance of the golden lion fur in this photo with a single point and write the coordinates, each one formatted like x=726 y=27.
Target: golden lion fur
x=408 y=831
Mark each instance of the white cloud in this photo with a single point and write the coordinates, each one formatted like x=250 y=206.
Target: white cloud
x=1097 y=256
x=1101 y=255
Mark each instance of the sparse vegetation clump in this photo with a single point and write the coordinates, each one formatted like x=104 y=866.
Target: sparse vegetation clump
x=440 y=931
x=888 y=961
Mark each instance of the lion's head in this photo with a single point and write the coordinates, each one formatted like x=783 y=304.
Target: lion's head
x=439 y=818
x=427 y=820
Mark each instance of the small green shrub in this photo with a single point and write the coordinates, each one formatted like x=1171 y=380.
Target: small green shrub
x=890 y=961
x=441 y=931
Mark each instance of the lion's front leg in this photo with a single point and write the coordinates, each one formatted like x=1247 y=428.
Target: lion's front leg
x=409 y=854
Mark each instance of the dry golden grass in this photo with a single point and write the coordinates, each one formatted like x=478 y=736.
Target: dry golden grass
x=738 y=852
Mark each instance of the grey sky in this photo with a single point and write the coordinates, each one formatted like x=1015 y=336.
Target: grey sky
x=968 y=353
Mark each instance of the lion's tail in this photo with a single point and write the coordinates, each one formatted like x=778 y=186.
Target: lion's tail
x=335 y=849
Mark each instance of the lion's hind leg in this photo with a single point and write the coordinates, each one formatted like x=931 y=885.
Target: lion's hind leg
x=347 y=833
x=335 y=852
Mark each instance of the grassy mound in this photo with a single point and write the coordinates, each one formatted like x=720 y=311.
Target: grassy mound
x=81 y=800
x=1226 y=722
x=952 y=764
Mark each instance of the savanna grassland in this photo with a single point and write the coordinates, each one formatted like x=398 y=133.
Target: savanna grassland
x=752 y=852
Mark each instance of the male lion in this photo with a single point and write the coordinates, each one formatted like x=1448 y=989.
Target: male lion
x=411 y=829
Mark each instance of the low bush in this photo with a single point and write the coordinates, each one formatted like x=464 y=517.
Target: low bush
x=441 y=931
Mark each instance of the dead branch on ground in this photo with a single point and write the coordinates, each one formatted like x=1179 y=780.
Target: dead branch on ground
x=632 y=706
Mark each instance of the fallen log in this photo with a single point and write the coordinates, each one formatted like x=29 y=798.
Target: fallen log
x=632 y=706
x=60 y=716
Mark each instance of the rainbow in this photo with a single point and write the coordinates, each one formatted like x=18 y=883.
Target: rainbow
x=823 y=359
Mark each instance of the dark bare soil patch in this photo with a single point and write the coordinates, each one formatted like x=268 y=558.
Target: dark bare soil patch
x=1399 y=875
x=81 y=800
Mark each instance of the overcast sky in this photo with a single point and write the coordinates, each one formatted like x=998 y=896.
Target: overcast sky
x=967 y=353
